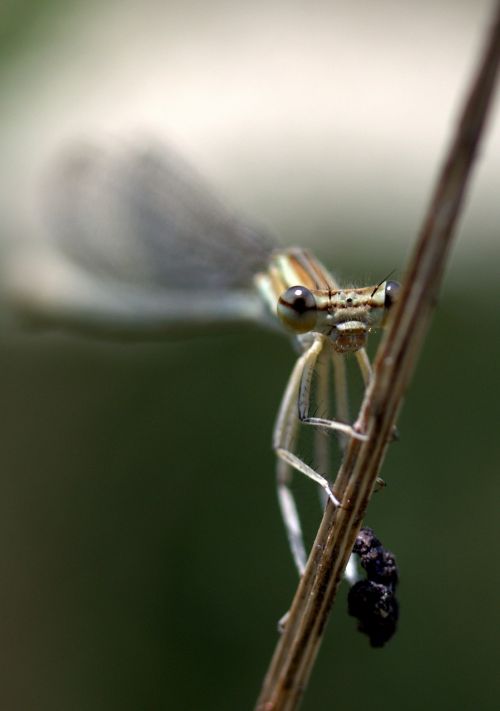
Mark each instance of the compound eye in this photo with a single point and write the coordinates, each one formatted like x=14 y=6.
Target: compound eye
x=297 y=309
x=392 y=289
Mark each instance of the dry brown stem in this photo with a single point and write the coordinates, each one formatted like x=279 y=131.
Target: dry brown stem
x=294 y=656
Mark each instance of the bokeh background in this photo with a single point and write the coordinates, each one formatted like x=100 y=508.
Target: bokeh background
x=143 y=561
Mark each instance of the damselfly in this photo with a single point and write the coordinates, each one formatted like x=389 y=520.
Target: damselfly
x=134 y=244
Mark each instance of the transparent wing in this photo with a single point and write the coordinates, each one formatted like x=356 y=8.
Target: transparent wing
x=136 y=243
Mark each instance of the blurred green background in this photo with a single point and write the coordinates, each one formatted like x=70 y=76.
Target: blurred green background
x=143 y=560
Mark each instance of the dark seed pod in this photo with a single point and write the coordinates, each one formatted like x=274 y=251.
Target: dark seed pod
x=373 y=601
x=379 y=563
x=376 y=609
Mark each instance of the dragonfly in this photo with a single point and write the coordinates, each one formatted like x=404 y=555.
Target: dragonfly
x=134 y=244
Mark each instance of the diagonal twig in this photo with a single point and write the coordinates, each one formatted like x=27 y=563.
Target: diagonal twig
x=294 y=656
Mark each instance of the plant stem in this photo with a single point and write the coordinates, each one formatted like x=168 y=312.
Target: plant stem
x=296 y=650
